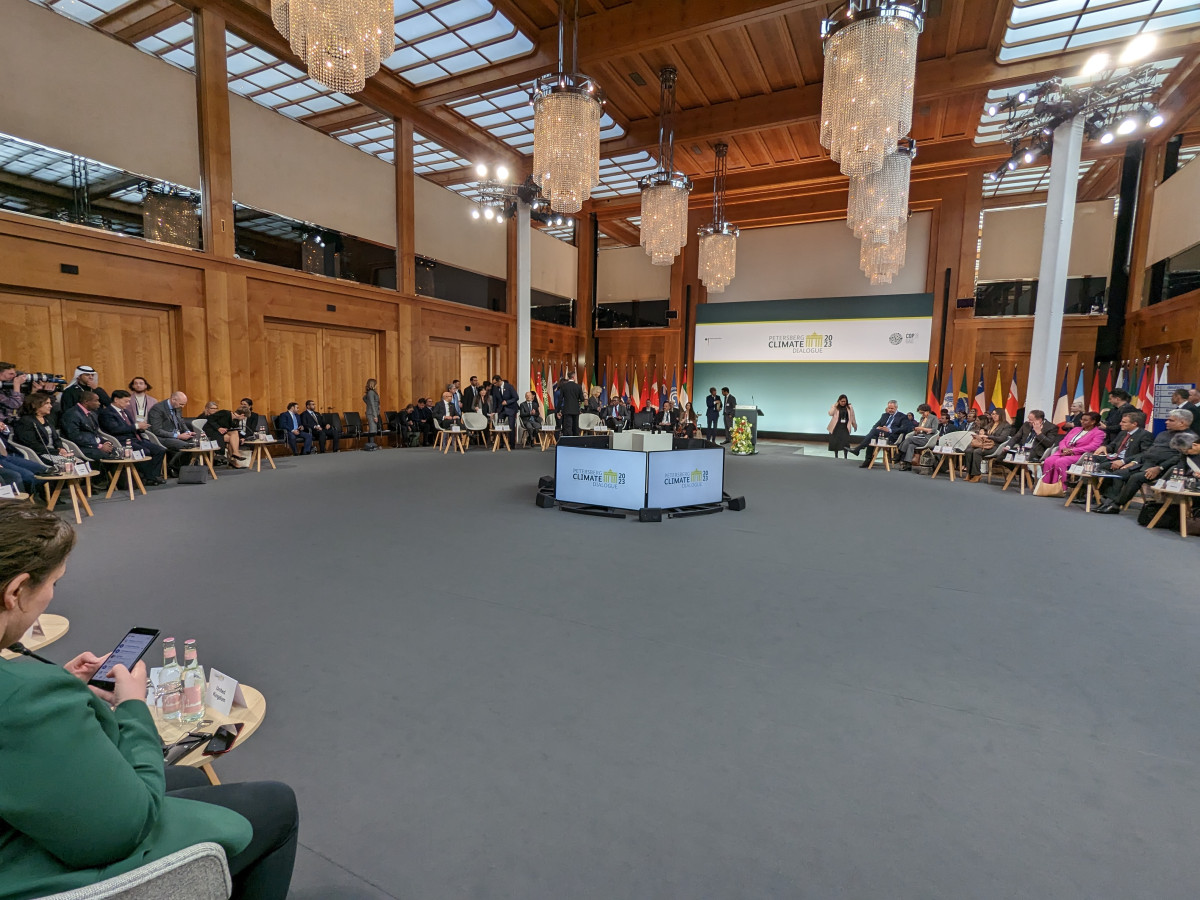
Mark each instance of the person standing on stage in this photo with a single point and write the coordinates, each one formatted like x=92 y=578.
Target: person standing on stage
x=841 y=426
x=713 y=411
x=728 y=405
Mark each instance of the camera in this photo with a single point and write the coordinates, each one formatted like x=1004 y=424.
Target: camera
x=56 y=382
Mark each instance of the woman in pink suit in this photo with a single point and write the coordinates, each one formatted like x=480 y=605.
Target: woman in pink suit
x=1082 y=439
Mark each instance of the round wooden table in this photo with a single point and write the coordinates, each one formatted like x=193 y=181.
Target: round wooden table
x=1180 y=498
x=52 y=628
x=201 y=457
x=258 y=453
x=547 y=438
x=128 y=468
x=250 y=716
x=501 y=437
x=888 y=450
x=1027 y=468
x=71 y=482
x=942 y=454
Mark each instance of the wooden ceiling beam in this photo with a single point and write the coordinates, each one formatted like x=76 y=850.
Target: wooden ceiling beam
x=631 y=28
x=384 y=92
x=140 y=18
x=332 y=120
x=621 y=230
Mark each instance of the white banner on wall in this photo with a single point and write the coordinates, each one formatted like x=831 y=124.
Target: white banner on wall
x=904 y=340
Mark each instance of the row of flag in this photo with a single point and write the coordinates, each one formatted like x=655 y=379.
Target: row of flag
x=1138 y=378
x=640 y=395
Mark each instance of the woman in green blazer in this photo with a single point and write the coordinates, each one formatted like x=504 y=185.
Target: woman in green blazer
x=83 y=794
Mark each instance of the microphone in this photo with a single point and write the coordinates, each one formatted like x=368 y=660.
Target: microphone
x=18 y=647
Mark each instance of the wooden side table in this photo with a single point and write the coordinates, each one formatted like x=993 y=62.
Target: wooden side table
x=888 y=450
x=954 y=455
x=52 y=628
x=1026 y=468
x=501 y=437
x=259 y=451
x=454 y=440
x=128 y=468
x=250 y=716
x=72 y=483
x=547 y=438
x=1180 y=498
x=201 y=457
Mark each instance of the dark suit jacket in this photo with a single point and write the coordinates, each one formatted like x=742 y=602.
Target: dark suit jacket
x=1041 y=443
x=617 y=411
x=1157 y=454
x=712 y=405
x=530 y=413
x=1139 y=440
x=572 y=398
x=310 y=421
x=82 y=427
x=442 y=410
x=901 y=423
x=471 y=398
x=28 y=433
x=1112 y=421
x=115 y=422
x=729 y=405
x=674 y=418
x=72 y=393
x=284 y=421
x=505 y=398
x=163 y=420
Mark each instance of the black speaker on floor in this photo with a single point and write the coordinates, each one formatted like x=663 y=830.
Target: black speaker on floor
x=737 y=503
x=650 y=514
x=545 y=501
x=193 y=475
x=546 y=482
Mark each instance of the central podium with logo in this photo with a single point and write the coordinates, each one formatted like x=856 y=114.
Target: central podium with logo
x=626 y=472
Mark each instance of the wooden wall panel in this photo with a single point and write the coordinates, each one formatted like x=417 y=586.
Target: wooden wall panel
x=31 y=334
x=120 y=342
x=474 y=359
x=643 y=348
x=349 y=359
x=293 y=368
x=1167 y=329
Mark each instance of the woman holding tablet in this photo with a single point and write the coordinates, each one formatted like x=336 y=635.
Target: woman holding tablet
x=86 y=796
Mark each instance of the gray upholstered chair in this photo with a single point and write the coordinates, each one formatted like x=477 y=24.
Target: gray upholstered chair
x=198 y=872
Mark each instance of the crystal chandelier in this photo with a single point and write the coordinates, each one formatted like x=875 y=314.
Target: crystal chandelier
x=882 y=260
x=566 y=124
x=879 y=201
x=870 y=65
x=665 y=191
x=718 y=240
x=171 y=217
x=342 y=42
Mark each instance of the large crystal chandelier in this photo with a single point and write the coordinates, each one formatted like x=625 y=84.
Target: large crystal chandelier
x=341 y=42
x=882 y=260
x=870 y=65
x=879 y=201
x=665 y=191
x=718 y=240
x=566 y=124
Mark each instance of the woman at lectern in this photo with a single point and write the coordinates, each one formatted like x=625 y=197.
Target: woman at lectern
x=714 y=413
x=841 y=425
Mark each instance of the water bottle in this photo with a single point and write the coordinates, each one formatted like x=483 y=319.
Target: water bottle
x=170 y=684
x=128 y=448
x=193 y=683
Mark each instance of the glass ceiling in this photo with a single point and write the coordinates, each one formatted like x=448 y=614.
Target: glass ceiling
x=86 y=11
x=507 y=114
x=1045 y=27
x=991 y=128
x=1027 y=180
x=439 y=38
x=378 y=138
x=619 y=175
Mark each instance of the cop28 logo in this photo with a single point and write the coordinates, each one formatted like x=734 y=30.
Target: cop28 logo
x=896 y=338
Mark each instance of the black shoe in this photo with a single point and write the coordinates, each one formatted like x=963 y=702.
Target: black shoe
x=865 y=464
x=1080 y=500
x=903 y=466
x=854 y=450
x=1108 y=509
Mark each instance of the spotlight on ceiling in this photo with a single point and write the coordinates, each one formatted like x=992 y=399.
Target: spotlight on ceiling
x=1155 y=120
x=1096 y=64
x=1012 y=165
x=1022 y=96
x=481 y=170
x=489 y=213
x=993 y=109
x=475 y=213
x=502 y=173
x=1128 y=125
x=1138 y=49
x=1107 y=138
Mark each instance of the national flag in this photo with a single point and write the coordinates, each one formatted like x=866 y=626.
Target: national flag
x=1079 y=385
x=960 y=402
x=638 y=397
x=674 y=391
x=1013 y=403
x=934 y=401
x=655 y=400
x=587 y=386
x=1137 y=376
x=1122 y=382
x=537 y=389
x=683 y=389
x=532 y=377
x=551 y=383
x=1146 y=392
x=1062 y=408
x=948 y=396
x=1094 y=396
x=625 y=384
x=997 y=401
x=1106 y=389
x=1162 y=376
x=980 y=403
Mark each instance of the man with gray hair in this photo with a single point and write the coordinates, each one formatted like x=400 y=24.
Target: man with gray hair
x=166 y=423
x=892 y=426
x=1166 y=452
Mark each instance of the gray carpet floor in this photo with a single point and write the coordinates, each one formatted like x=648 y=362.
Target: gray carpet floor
x=866 y=685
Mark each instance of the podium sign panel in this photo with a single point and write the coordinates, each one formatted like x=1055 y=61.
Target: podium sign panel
x=685 y=478
x=596 y=477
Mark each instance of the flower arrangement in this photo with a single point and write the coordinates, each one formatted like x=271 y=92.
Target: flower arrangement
x=740 y=438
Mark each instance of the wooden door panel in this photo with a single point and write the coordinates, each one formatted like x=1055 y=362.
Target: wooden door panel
x=120 y=342
x=474 y=359
x=31 y=334
x=294 y=367
x=445 y=364
x=350 y=358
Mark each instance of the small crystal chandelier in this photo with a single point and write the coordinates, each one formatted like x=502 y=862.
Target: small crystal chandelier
x=870 y=66
x=665 y=191
x=341 y=41
x=882 y=260
x=718 y=240
x=879 y=201
x=566 y=124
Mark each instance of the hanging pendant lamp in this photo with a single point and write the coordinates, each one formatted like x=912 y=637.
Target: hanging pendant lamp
x=567 y=106
x=665 y=192
x=881 y=260
x=870 y=66
x=718 y=240
x=342 y=42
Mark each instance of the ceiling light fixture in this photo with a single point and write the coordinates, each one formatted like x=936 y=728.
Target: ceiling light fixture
x=1097 y=63
x=342 y=42
x=718 y=240
x=665 y=192
x=567 y=107
x=1138 y=48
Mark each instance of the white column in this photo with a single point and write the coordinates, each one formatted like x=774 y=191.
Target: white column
x=520 y=381
x=1052 y=276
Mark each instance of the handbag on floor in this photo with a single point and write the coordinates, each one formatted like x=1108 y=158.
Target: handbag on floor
x=1045 y=489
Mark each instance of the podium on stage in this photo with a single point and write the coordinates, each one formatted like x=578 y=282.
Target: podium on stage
x=750 y=414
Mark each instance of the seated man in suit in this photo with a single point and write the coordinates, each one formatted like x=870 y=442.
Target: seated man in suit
x=446 y=412
x=81 y=425
x=166 y=424
x=310 y=421
x=616 y=414
x=119 y=420
x=1132 y=439
x=224 y=427
x=422 y=417
x=892 y=426
x=505 y=399
x=1167 y=451
x=531 y=417
x=293 y=430
x=667 y=420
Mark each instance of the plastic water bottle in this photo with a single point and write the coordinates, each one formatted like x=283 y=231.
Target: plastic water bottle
x=128 y=448
x=170 y=683
x=193 y=683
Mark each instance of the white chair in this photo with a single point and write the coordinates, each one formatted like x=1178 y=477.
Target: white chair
x=589 y=421
x=438 y=431
x=476 y=424
x=198 y=425
x=199 y=872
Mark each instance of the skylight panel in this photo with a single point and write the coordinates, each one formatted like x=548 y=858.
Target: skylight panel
x=438 y=39
x=86 y=11
x=1043 y=27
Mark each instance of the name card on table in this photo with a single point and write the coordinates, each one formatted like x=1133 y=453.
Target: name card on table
x=547 y=428
x=7 y=490
x=208 y=445
x=83 y=468
x=1171 y=484
x=224 y=692
x=36 y=628
x=1075 y=470
x=501 y=428
x=139 y=454
x=455 y=429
